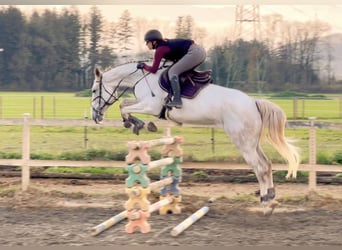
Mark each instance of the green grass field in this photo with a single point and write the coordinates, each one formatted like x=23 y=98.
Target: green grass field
x=105 y=143
x=321 y=109
x=110 y=143
x=68 y=105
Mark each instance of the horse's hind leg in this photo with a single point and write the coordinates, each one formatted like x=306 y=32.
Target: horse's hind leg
x=268 y=173
x=263 y=170
x=265 y=175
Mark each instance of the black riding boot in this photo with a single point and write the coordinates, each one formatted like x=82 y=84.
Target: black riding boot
x=176 y=101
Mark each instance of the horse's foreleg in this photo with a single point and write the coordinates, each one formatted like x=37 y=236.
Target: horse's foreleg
x=129 y=106
x=137 y=124
x=125 y=115
x=128 y=119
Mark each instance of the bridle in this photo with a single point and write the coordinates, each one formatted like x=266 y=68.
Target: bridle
x=112 y=94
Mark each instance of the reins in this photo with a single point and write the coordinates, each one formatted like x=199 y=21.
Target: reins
x=112 y=97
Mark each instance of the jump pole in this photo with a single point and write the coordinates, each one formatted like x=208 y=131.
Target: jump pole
x=155 y=206
x=109 y=223
x=160 y=163
x=123 y=215
x=189 y=221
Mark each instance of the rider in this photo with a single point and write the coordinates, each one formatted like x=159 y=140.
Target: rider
x=185 y=54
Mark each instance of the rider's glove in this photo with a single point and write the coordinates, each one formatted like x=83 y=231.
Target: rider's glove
x=140 y=65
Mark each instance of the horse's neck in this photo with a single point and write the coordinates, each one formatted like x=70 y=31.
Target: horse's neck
x=128 y=76
x=120 y=74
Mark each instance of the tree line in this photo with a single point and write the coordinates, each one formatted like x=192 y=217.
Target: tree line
x=57 y=51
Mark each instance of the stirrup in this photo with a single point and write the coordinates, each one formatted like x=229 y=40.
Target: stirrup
x=176 y=105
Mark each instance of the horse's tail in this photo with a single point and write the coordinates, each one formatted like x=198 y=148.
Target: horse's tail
x=273 y=129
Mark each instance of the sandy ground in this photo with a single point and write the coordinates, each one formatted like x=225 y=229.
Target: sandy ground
x=63 y=212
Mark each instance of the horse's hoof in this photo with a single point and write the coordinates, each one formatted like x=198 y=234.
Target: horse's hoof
x=152 y=127
x=127 y=124
x=137 y=128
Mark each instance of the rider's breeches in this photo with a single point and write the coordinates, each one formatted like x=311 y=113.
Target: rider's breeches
x=195 y=56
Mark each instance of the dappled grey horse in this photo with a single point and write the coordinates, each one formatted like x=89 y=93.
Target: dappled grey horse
x=245 y=120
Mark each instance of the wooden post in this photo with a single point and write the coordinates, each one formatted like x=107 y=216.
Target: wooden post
x=54 y=106
x=340 y=107
x=295 y=108
x=312 y=154
x=25 y=171
x=42 y=107
x=34 y=107
x=0 y=107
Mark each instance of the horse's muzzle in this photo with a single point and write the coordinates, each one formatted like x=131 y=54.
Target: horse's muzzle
x=97 y=116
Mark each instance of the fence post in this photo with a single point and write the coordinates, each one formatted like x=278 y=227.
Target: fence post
x=295 y=108
x=340 y=107
x=0 y=107
x=42 y=107
x=54 y=106
x=34 y=107
x=25 y=171
x=85 y=131
x=312 y=154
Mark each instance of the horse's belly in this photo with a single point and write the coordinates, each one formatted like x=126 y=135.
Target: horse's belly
x=213 y=106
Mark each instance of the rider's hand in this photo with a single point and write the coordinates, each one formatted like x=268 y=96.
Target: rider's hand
x=140 y=65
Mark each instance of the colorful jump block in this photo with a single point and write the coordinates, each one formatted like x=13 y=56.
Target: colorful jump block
x=173 y=148
x=137 y=150
x=138 y=220
x=137 y=174
x=173 y=207
x=123 y=215
x=172 y=188
x=137 y=198
x=172 y=168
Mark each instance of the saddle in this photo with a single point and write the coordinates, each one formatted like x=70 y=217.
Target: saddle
x=191 y=82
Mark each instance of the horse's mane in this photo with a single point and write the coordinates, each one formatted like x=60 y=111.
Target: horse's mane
x=124 y=63
x=133 y=61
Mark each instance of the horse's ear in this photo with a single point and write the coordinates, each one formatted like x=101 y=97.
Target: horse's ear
x=97 y=72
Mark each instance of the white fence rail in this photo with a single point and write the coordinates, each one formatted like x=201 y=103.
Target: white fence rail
x=26 y=163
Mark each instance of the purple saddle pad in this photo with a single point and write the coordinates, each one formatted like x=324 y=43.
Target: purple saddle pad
x=191 y=82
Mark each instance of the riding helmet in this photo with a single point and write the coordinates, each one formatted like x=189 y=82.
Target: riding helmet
x=153 y=35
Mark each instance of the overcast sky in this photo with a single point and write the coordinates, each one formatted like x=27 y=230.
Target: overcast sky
x=217 y=16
